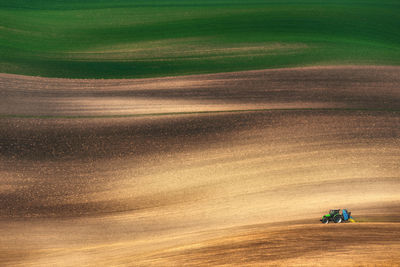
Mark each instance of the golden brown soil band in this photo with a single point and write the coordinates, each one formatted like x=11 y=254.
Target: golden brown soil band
x=313 y=87
x=298 y=245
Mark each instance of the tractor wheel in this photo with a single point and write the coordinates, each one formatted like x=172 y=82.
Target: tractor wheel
x=325 y=220
x=337 y=219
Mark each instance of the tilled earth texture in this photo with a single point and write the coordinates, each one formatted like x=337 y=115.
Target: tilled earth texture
x=220 y=169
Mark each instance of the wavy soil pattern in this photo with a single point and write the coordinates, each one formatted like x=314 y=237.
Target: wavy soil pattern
x=231 y=168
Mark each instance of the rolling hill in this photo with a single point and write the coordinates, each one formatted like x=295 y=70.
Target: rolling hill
x=147 y=38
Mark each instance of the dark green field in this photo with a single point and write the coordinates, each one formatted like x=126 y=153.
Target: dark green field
x=146 y=38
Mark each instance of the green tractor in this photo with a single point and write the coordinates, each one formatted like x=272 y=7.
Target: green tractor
x=336 y=217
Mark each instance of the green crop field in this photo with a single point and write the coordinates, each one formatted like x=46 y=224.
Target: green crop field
x=149 y=38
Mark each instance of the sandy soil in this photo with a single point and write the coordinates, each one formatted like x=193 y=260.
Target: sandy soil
x=245 y=187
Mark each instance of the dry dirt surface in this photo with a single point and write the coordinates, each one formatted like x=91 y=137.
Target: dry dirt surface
x=222 y=169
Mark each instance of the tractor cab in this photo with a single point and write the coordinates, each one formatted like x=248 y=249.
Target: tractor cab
x=334 y=212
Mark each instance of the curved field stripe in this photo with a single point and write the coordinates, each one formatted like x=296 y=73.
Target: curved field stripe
x=191 y=113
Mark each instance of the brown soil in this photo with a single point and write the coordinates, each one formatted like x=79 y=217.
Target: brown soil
x=295 y=245
x=236 y=188
x=314 y=87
